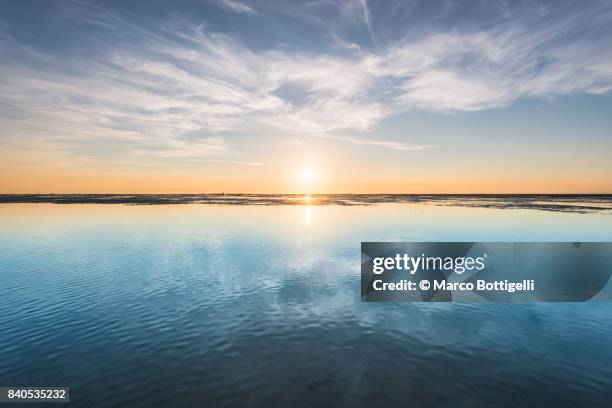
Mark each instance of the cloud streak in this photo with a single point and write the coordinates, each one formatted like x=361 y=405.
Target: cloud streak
x=237 y=7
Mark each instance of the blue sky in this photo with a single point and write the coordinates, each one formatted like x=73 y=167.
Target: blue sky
x=454 y=95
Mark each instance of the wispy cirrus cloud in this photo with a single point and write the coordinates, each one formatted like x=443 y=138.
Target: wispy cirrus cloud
x=237 y=6
x=380 y=143
x=155 y=86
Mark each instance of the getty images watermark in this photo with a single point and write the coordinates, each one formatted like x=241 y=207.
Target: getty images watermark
x=471 y=271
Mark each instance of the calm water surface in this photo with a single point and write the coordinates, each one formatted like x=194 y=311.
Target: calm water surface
x=212 y=305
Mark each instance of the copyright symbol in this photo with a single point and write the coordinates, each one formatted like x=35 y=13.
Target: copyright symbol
x=424 y=285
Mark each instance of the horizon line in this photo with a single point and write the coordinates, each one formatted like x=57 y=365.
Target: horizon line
x=308 y=194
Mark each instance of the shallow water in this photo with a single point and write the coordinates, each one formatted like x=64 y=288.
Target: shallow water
x=224 y=305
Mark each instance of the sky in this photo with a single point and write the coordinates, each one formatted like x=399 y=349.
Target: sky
x=317 y=96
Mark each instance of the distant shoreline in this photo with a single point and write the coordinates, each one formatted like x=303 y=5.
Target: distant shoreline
x=580 y=203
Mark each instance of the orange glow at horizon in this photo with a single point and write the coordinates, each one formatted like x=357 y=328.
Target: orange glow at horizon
x=63 y=181
x=321 y=172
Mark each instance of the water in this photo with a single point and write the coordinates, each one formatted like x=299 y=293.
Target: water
x=223 y=305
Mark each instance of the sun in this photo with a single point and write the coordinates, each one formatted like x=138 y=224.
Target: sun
x=307 y=174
